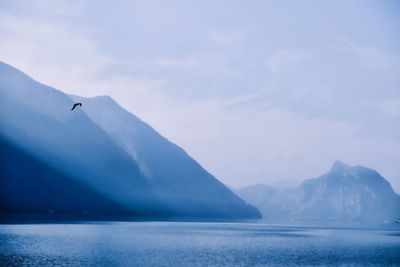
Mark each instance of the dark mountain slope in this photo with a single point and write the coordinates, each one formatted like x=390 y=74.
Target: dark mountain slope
x=47 y=194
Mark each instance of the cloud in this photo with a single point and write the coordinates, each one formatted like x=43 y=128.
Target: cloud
x=389 y=107
x=377 y=59
x=175 y=62
x=228 y=37
x=45 y=9
x=52 y=52
x=285 y=59
x=205 y=64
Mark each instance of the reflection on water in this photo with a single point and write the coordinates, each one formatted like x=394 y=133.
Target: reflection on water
x=193 y=244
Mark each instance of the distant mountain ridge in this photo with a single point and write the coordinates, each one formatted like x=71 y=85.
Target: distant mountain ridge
x=56 y=146
x=344 y=195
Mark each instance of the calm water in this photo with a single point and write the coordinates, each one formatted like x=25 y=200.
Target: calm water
x=194 y=244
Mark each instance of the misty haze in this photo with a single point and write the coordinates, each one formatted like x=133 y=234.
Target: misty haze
x=168 y=133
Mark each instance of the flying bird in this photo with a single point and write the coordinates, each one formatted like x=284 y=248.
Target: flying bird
x=75 y=105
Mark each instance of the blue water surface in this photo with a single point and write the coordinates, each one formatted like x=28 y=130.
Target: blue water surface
x=194 y=244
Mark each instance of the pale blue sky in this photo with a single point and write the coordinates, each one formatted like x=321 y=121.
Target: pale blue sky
x=256 y=91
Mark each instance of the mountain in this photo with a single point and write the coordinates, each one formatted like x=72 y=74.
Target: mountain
x=48 y=195
x=37 y=120
x=344 y=195
x=67 y=164
x=176 y=178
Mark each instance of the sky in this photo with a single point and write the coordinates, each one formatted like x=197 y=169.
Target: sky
x=255 y=91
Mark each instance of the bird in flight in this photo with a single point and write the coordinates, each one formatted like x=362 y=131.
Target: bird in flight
x=75 y=105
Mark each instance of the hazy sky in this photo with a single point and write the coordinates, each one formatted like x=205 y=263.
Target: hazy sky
x=256 y=91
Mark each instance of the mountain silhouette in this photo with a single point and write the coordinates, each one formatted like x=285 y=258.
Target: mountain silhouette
x=49 y=193
x=35 y=123
x=344 y=195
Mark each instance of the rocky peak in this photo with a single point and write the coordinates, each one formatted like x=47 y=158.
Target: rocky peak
x=339 y=166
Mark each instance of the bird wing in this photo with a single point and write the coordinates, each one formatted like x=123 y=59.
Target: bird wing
x=73 y=107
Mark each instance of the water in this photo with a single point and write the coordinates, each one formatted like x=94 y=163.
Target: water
x=194 y=244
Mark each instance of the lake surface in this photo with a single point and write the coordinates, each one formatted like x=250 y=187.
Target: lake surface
x=194 y=244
